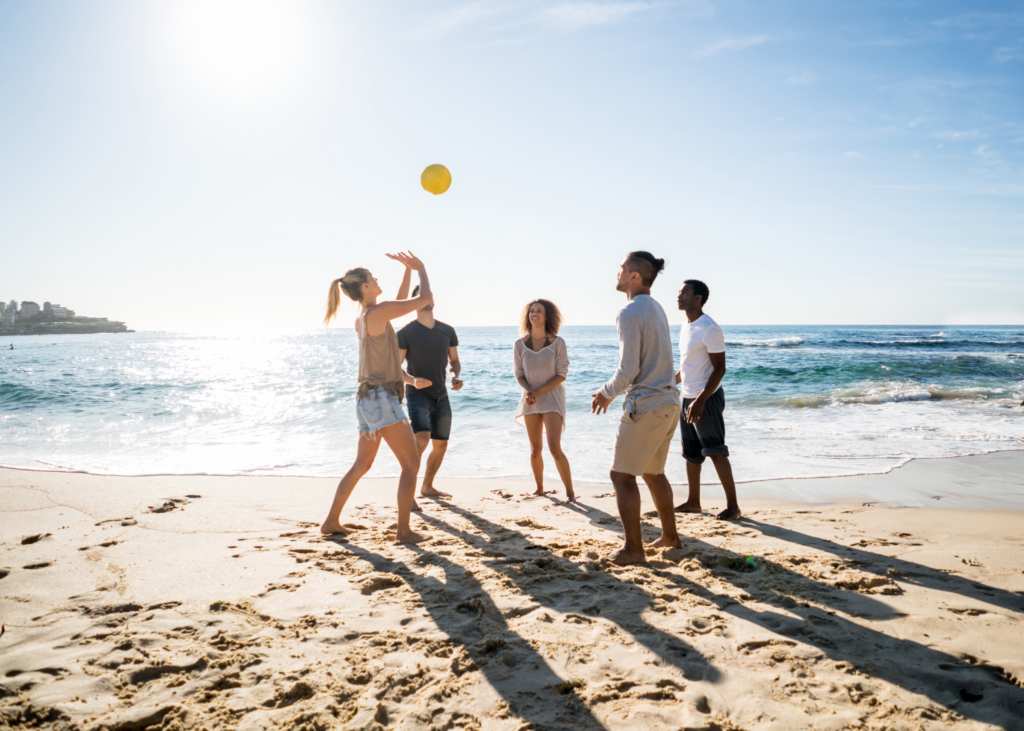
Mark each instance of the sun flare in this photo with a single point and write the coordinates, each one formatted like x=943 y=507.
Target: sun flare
x=238 y=47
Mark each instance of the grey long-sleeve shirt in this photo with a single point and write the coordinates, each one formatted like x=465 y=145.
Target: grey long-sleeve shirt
x=646 y=372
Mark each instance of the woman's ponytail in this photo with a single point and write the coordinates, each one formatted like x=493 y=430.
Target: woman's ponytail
x=333 y=300
x=351 y=284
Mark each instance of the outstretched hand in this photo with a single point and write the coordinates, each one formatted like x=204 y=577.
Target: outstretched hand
x=422 y=383
x=600 y=403
x=407 y=258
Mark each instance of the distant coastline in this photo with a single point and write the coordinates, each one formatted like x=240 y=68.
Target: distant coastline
x=52 y=319
x=69 y=328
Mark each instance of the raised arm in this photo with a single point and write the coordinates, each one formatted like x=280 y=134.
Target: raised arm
x=380 y=314
x=403 y=288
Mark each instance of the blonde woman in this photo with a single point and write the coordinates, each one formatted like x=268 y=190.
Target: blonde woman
x=541 y=365
x=379 y=396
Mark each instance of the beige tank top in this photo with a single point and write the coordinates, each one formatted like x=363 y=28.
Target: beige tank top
x=378 y=363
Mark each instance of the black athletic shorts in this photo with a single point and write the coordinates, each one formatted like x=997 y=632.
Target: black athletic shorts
x=706 y=437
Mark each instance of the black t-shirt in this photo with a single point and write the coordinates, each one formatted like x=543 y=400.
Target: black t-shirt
x=426 y=352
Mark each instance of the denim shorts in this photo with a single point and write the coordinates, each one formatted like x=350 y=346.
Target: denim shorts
x=430 y=414
x=378 y=410
x=706 y=436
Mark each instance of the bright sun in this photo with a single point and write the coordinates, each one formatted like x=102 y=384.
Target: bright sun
x=238 y=47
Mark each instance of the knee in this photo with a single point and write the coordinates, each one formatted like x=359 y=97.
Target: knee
x=623 y=480
x=536 y=450
x=361 y=467
x=411 y=464
x=556 y=451
x=440 y=447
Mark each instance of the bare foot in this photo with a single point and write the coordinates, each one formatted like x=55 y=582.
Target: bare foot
x=570 y=497
x=665 y=543
x=689 y=507
x=730 y=514
x=335 y=528
x=416 y=507
x=624 y=558
x=539 y=492
x=410 y=536
x=431 y=491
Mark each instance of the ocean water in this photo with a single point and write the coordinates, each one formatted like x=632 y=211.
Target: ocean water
x=802 y=401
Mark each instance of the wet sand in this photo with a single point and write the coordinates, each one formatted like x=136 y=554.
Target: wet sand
x=201 y=602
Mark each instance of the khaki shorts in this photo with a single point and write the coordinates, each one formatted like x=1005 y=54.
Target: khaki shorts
x=643 y=441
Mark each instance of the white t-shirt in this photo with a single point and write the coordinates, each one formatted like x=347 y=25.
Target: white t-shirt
x=696 y=340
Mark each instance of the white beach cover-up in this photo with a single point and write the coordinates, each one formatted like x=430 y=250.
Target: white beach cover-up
x=539 y=367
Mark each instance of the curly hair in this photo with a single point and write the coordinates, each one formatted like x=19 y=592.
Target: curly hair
x=552 y=317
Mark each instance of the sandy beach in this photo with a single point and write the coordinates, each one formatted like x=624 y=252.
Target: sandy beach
x=202 y=602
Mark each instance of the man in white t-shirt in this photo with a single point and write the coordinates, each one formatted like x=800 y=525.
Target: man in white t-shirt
x=702 y=421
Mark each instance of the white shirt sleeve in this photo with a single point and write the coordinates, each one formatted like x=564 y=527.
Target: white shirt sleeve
x=561 y=359
x=714 y=339
x=517 y=359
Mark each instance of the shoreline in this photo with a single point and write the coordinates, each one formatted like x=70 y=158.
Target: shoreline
x=776 y=488
x=187 y=603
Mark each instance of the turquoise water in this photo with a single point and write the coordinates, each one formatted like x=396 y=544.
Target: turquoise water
x=802 y=401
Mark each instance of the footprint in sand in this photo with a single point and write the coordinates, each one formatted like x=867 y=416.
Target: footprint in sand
x=108 y=544
x=123 y=521
x=172 y=503
x=28 y=540
x=971 y=612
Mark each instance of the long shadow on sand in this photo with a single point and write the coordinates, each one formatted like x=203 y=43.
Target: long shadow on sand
x=629 y=598
x=908 y=572
x=513 y=667
x=517 y=671
x=966 y=686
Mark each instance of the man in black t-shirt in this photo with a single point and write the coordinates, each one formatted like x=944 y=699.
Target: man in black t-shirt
x=429 y=346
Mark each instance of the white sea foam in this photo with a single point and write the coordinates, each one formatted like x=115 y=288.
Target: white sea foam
x=769 y=342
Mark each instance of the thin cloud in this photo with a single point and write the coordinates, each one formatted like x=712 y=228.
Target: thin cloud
x=985 y=154
x=958 y=135
x=978 y=21
x=731 y=44
x=853 y=154
x=573 y=16
x=447 y=22
x=803 y=79
x=1008 y=53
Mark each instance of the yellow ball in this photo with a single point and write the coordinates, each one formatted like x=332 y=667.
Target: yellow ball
x=436 y=179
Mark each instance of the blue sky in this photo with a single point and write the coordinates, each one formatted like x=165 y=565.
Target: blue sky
x=188 y=164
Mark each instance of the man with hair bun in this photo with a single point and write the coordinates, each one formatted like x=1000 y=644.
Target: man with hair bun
x=702 y=424
x=646 y=374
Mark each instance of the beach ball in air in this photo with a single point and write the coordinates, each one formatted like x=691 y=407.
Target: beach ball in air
x=436 y=179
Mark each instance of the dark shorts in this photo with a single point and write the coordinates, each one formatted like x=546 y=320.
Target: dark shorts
x=430 y=414
x=706 y=437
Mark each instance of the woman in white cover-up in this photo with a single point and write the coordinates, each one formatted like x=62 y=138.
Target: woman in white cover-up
x=541 y=366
